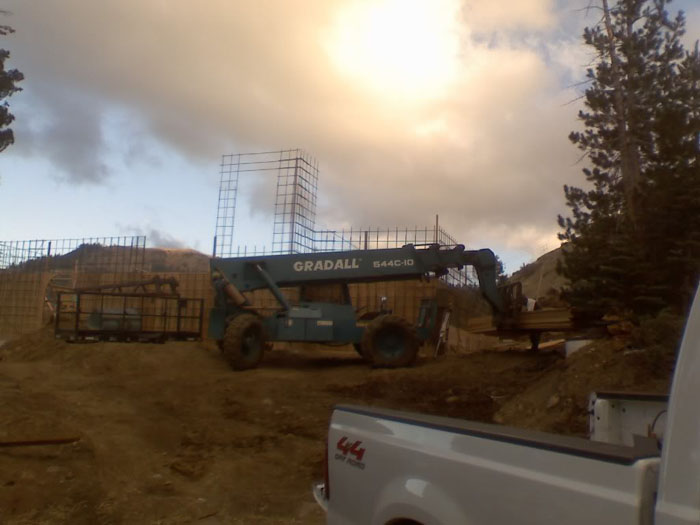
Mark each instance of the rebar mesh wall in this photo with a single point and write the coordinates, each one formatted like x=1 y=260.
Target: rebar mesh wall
x=21 y=301
x=382 y=238
x=374 y=238
x=117 y=255
x=31 y=271
x=294 y=227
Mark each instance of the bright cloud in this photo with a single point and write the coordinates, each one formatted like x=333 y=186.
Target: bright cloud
x=411 y=107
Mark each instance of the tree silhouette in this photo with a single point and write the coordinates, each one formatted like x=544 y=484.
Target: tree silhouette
x=8 y=86
x=634 y=236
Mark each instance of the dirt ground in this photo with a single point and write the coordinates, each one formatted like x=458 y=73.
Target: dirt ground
x=169 y=434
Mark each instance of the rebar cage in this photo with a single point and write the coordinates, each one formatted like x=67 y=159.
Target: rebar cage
x=294 y=226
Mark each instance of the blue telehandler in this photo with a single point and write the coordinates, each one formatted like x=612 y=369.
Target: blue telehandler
x=381 y=338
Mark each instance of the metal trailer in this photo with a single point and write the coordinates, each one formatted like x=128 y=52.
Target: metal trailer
x=146 y=311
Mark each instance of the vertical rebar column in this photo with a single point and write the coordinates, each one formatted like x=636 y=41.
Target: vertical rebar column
x=295 y=196
x=284 y=206
x=226 y=211
x=295 y=203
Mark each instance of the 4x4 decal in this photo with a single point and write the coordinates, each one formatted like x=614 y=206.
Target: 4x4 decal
x=350 y=452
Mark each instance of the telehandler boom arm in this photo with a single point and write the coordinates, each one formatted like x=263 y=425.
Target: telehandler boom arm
x=408 y=262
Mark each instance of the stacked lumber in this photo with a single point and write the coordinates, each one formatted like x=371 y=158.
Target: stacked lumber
x=553 y=320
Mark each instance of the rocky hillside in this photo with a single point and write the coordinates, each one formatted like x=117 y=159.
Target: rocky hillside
x=540 y=279
x=176 y=260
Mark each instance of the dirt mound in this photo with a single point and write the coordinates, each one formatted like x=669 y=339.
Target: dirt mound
x=41 y=344
x=558 y=400
x=169 y=434
x=464 y=386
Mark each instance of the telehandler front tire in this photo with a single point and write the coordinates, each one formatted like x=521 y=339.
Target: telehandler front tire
x=390 y=341
x=244 y=342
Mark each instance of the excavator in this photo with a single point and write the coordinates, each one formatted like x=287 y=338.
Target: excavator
x=383 y=339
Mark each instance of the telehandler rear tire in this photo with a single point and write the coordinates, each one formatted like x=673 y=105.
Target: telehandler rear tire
x=244 y=342
x=390 y=341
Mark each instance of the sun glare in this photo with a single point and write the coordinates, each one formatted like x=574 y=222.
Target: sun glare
x=400 y=48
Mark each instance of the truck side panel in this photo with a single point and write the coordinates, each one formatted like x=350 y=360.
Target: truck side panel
x=411 y=470
x=679 y=482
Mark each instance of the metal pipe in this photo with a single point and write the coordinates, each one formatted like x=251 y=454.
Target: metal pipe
x=273 y=287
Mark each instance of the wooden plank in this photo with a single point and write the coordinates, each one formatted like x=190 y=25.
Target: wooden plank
x=554 y=320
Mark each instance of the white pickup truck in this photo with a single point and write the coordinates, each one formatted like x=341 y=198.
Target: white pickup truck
x=387 y=467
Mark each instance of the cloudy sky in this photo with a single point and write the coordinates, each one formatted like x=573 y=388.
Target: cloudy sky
x=412 y=108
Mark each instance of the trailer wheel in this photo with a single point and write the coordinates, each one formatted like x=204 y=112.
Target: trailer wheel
x=390 y=341
x=243 y=342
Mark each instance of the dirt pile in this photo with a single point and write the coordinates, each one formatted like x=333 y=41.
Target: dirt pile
x=558 y=400
x=169 y=434
x=39 y=345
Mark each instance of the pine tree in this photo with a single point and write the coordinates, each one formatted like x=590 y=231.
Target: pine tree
x=634 y=236
x=8 y=86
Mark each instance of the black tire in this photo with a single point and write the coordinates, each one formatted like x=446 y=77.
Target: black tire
x=390 y=341
x=244 y=342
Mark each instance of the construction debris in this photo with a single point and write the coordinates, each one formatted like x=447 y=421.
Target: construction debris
x=554 y=320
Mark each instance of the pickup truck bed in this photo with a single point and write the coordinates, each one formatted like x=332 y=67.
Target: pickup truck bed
x=554 y=476
x=626 y=455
